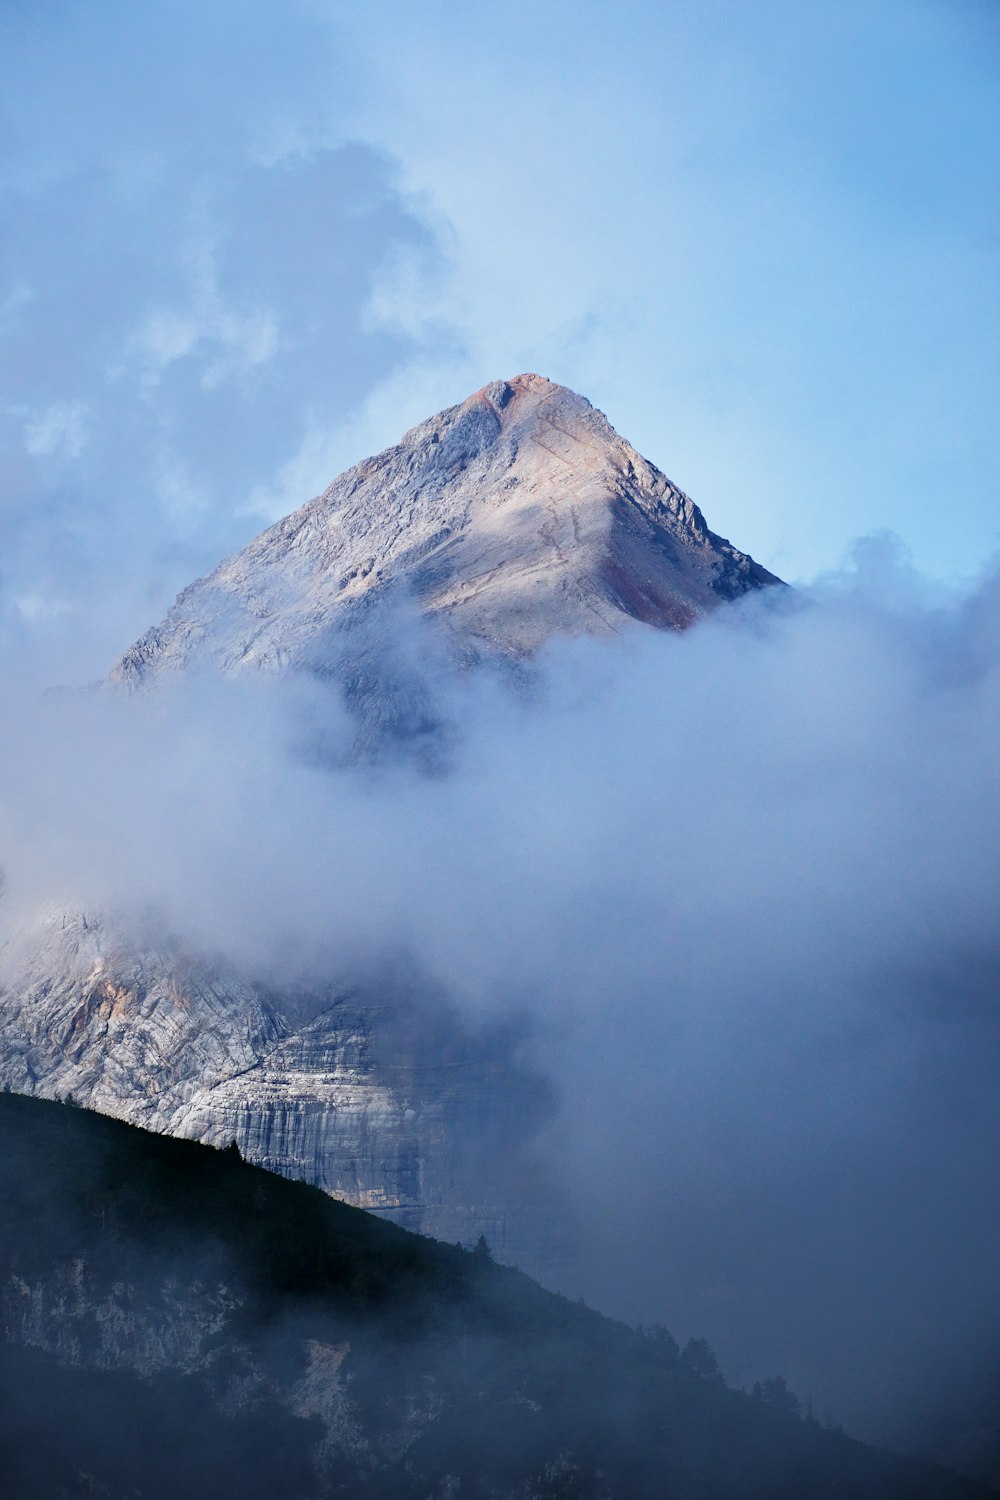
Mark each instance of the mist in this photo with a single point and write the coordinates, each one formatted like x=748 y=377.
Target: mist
x=739 y=886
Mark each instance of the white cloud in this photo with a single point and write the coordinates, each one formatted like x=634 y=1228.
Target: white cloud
x=167 y=336
x=36 y=607
x=742 y=883
x=182 y=497
x=59 y=431
x=228 y=339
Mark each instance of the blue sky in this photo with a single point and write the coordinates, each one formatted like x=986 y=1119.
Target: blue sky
x=245 y=244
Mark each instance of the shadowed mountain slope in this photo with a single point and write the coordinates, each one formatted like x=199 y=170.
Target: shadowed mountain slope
x=176 y=1322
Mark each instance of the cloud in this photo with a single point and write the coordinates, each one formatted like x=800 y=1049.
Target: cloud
x=740 y=882
x=60 y=430
x=193 y=241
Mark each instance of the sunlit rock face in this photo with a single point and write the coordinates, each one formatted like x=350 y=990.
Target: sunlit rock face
x=514 y=518
x=517 y=516
x=382 y=1098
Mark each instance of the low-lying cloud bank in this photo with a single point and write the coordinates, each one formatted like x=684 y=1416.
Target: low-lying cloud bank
x=744 y=883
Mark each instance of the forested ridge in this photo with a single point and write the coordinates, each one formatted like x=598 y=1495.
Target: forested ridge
x=177 y=1322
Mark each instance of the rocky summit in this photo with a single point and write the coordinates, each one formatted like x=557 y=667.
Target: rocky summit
x=513 y=518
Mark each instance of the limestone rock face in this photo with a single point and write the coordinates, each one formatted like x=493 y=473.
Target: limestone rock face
x=394 y=1106
x=515 y=517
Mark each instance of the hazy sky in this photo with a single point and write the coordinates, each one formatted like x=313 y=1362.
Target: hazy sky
x=246 y=244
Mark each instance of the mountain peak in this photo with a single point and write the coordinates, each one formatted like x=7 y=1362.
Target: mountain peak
x=517 y=515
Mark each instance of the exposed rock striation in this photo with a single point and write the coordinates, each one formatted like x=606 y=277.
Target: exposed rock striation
x=517 y=516
x=393 y=1106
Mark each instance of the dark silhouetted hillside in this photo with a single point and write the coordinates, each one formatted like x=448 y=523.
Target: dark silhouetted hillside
x=177 y=1323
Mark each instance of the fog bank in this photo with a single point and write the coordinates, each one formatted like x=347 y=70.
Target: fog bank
x=741 y=881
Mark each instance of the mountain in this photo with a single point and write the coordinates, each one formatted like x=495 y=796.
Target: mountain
x=513 y=518
x=176 y=1323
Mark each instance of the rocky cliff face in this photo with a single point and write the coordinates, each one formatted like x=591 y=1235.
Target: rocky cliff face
x=515 y=517
x=395 y=1108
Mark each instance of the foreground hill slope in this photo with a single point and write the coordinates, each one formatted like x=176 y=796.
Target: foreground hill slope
x=176 y=1322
